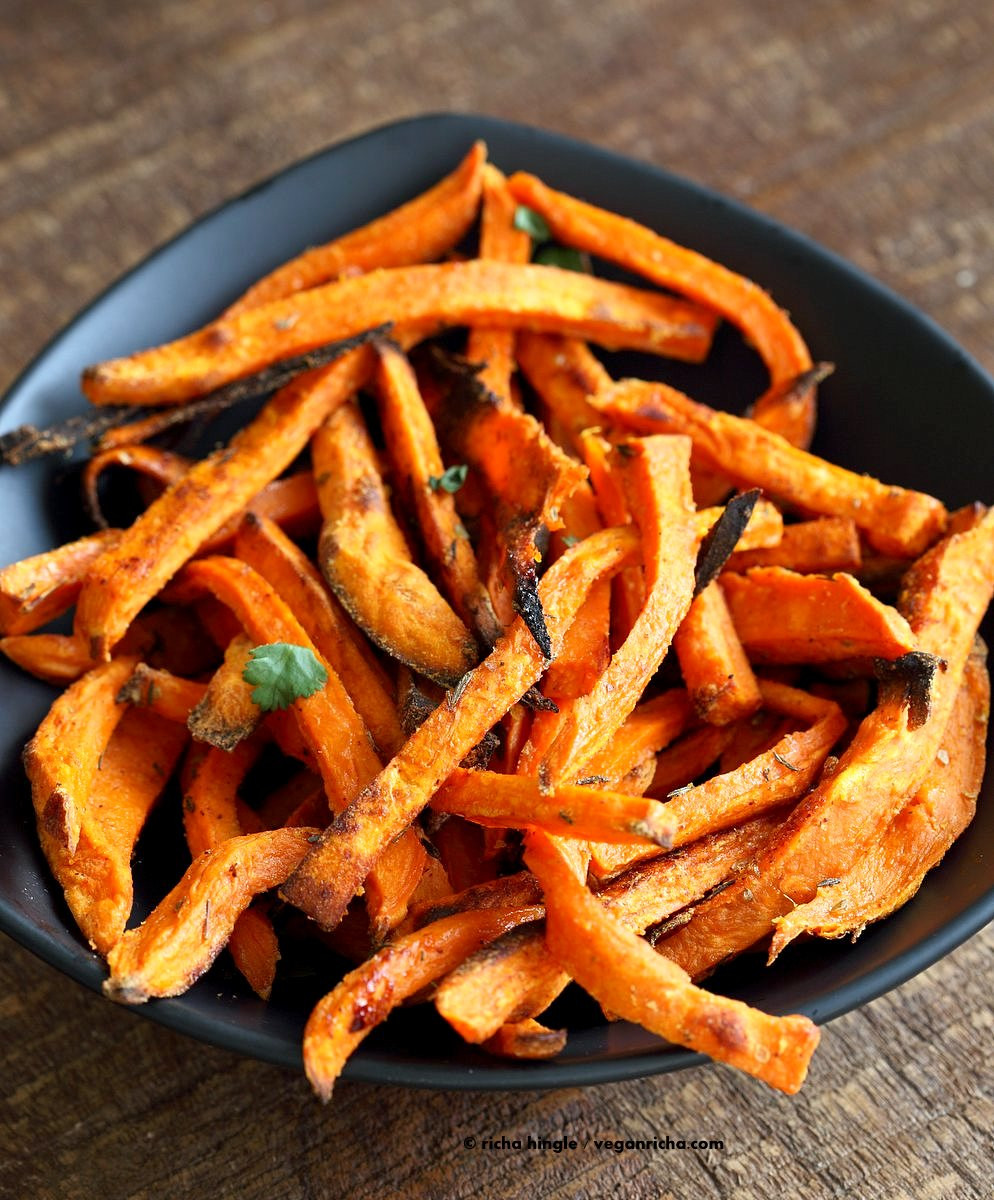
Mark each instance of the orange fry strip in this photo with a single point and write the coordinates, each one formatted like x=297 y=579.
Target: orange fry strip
x=627 y=977
x=765 y=527
x=366 y=559
x=255 y=949
x=501 y=242
x=687 y=758
x=516 y=977
x=895 y=521
x=420 y=230
x=826 y=544
x=417 y=460
x=163 y=693
x=96 y=878
x=421 y=299
x=892 y=870
x=736 y=298
x=515 y=801
x=526 y=1039
x=55 y=657
x=715 y=669
x=290 y=572
x=329 y=877
x=338 y=739
x=945 y=595
x=650 y=727
x=63 y=757
x=226 y=716
x=658 y=482
x=38 y=589
x=783 y=617
x=181 y=937
x=126 y=576
x=366 y=995
x=564 y=372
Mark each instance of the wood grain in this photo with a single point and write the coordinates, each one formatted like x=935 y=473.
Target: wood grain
x=869 y=127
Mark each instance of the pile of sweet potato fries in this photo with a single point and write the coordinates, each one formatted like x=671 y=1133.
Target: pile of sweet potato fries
x=549 y=705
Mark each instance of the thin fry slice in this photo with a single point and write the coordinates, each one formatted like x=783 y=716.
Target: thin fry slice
x=420 y=230
x=421 y=299
x=825 y=544
x=38 y=589
x=162 y=692
x=624 y=973
x=564 y=372
x=715 y=668
x=526 y=1039
x=226 y=716
x=185 y=932
x=894 y=520
x=366 y=995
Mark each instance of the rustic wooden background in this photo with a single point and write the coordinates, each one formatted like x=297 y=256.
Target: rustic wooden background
x=870 y=126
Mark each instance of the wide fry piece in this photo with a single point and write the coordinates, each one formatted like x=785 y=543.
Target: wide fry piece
x=264 y=546
x=659 y=483
x=783 y=617
x=366 y=559
x=329 y=877
x=627 y=977
x=413 y=447
x=38 y=589
x=894 y=520
x=127 y=575
x=63 y=757
x=420 y=230
x=186 y=931
x=892 y=870
x=366 y=995
x=96 y=877
x=945 y=595
x=422 y=299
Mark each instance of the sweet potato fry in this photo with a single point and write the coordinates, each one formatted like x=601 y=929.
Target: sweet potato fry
x=148 y=554
x=421 y=299
x=623 y=972
x=226 y=715
x=895 y=521
x=96 y=877
x=583 y=812
x=765 y=527
x=366 y=559
x=181 y=937
x=57 y=658
x=564 y=372
x=944 y=598
x=657 y=478
x=149 y=462
x=736 y=298
x=420 y=230
x=715 y=669
x=63 y=757
x=339 y=742
x=161 y=692
x=893 y=868
x=290 y=572
x=328 y=879
x=38 y=589
x=526 y=1039
x=418 y=469
x=499 y=241
x=366 y=995
x=783 y=617
x=690 y=756
x=826 y=544
x=650 y=727
x=515 y=977
x=255 y=949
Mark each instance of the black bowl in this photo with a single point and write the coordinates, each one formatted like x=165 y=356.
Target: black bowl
x=906 y=404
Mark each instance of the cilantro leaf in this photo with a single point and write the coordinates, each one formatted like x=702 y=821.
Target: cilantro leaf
x=283 y=673
x=565 y=257
x=451 y=480
x=527 y=220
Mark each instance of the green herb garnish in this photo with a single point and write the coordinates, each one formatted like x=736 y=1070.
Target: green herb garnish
x=527 y=220
x=283 y=673
x=451 y=480
x=565 y=257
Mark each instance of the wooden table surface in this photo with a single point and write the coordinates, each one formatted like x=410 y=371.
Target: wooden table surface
x=868 y=126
